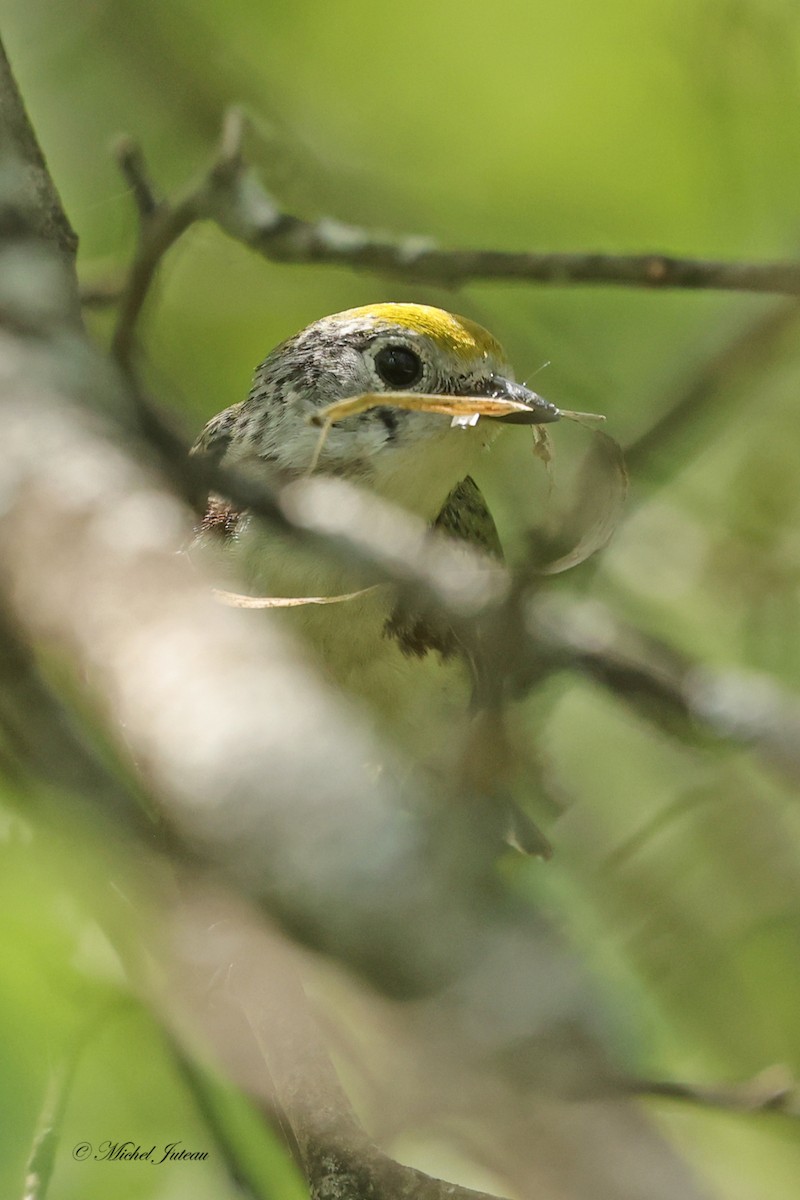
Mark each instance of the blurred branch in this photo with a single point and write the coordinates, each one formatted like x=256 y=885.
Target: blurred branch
x=22 y=154
x=99 y=598
x=32 y=717
x=225 y=1129
x=246 y=996
x=339 y=1159
x=771 y=1091
x=41 y=1160
x=666 y=687
x=101 y=292
x=48 y=1130
x=230 y=194
x=711 y=388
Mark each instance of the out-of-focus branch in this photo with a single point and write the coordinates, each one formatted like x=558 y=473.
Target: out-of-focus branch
x=91 y=576
x=31 y=718
x=41 y=1160
x=338 y=1158
x=263 y=1179
x=771 y=1091
x=48 y=1132
x=22 y=155
x=245 y=996
x=665 y=686
x=231 y=195
x=655 y=453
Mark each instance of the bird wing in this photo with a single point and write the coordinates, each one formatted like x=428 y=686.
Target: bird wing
x=215 y=438
x=465 y=515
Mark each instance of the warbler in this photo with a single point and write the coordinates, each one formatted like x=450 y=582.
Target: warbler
x=413 y=682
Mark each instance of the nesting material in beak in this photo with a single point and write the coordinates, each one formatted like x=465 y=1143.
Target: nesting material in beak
x=529 y=408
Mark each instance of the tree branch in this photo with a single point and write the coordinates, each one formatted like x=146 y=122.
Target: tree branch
x=21 y=151
x=659 y=450
x=664 y=686
x=230 y=194
x=771 y=1091
x=339 y=1159
x=41 y=1160
x=246 y=998
x=48 y=1131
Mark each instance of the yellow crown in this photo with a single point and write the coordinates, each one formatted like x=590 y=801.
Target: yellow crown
x=462 y=337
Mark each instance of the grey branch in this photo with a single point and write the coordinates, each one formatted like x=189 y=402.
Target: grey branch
x=773 y=1090
x=669 y=688
x=230 y=194
x=23 y=156
x=41 y=1160
x=246 y=997
x=48 y=1132
x=338 y=1158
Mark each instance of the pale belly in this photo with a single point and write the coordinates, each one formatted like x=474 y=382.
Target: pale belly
x=418 y=706
x=421 y=704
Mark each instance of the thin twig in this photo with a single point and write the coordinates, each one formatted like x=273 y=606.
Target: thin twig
x=162 y=230
x=41 y=1160
x=163 y=222
x=48 y=1131
x=652 y=455
x=230 y=194
x=131 y=162
x=264 y=1176
x=299 y=241
x=772 y=1090
x=46 y=212
x=668 y=688
x=251 y=215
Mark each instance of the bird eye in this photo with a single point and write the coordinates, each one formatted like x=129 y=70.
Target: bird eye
x=398 y=366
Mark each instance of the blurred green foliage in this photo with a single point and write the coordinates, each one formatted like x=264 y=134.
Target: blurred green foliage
x=633 y=125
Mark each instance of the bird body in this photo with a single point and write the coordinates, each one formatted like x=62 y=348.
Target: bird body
x=414 y=686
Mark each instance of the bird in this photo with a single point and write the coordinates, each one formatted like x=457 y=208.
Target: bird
x=411 y=679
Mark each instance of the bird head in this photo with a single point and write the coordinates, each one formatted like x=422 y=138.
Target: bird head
x=412 y=458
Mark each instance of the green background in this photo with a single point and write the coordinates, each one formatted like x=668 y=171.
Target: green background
x=635 y=125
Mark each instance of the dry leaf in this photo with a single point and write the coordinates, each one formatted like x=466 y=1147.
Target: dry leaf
x=238 y=600
x=600 y=498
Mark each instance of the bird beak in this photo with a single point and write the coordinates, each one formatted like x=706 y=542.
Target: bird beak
x=541 y=411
